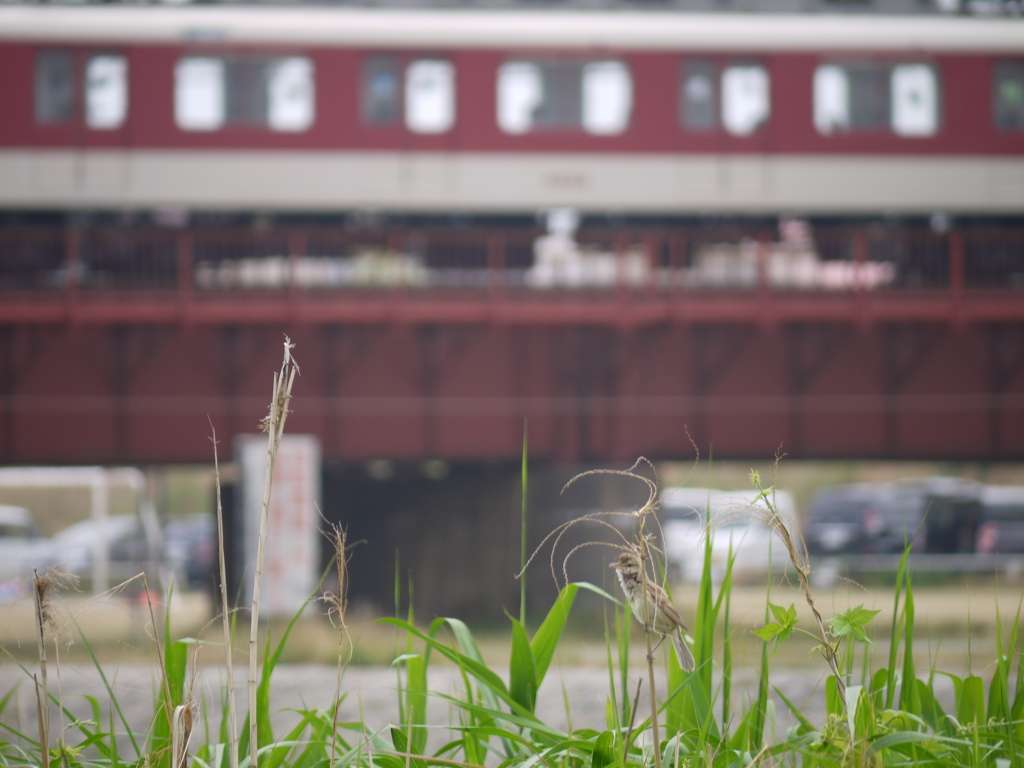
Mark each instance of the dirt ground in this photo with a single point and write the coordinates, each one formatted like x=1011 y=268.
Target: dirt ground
x=121 y=628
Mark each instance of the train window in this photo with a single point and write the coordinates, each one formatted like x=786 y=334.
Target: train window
x=1008 y=96
x=54 y=87
x=831 y=99
x=211 y=92
x=745 y=98
x=199 y=93
x=914 y=100
x=850 y=97
x=596 y=96
x=245 y=91
x=290 y=94
x=737 y=96
x=429 y=96
x=380 y=90
x=865 y=96
x=106 y=92
x=607 y=97
x=520 y=92
x=698 y=102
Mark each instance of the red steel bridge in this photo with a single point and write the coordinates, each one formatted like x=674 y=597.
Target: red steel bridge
x=122 y=344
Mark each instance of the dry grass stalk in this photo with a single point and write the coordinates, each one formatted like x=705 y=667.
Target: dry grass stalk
x=184 y=717
x=641 y=547
x=42 y=688
x=273 y=425
x=336 y=607
x=796 y=548
x=165 y=683
x=225 y=614
x=600 y=518
x=45 y=589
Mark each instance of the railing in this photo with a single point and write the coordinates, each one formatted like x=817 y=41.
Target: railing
x=202 y=264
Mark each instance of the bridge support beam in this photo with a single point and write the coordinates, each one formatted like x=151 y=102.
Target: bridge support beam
x=591 y=393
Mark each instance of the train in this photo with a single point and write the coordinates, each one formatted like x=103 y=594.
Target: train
x=508 y=111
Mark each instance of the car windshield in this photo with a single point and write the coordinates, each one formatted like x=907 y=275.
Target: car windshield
x=687 y=505
x=1004 y=512
x=85 y=532
x=838 y=510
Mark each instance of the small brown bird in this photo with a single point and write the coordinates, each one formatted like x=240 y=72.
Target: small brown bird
x=662 y=614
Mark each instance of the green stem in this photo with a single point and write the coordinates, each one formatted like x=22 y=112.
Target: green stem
x=522 y=536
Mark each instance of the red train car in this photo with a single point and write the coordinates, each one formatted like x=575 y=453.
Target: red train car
x=342 y=109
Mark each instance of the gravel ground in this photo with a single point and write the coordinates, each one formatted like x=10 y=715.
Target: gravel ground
x=371 y=695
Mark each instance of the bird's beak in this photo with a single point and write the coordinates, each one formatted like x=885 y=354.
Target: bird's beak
x=614 y=565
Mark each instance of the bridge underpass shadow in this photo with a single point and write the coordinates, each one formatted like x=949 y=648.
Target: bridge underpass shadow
x=455 y=536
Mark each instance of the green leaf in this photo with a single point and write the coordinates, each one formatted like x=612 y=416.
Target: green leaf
x=970 y=705
x=786 y=617
x=522 y=672
x=930 y=710
x=852 y=623
x=833 y=703
x=781 y=631
x=768 y=631
x=604 y=751
x=416 y=701
x=546 y=638
x=171 y=690
x=908 y=691
x=402 y=745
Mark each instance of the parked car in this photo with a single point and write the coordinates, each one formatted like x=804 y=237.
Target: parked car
x=190 y=547
x=737 y=527
x=1001 y=526
x=683 y=513
x=931 y=514
x=847 y=519
x=21 y=545
x=938 y=515
x=132 y=548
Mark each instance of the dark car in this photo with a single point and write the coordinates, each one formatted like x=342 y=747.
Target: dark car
x=1001 y=527
x=190 y=549
x=940 y=515
x=931 y=514
x=847 y=519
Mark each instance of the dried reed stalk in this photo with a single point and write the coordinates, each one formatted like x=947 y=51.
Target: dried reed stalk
x=644 y=551
x=181 y=733
x=796 y=548
x=643 y=546
x=337 y=604
x=225 y=614
x=40 y=590
x=273 y=424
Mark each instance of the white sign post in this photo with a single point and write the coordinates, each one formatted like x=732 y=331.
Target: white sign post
x=292 y=560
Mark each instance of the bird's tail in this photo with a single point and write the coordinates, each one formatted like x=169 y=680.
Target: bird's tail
x=682 y=651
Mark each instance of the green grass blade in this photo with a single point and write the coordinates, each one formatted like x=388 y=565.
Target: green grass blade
x=416 y=702
x=175 y=664
x=522 y=682
x=546 y=638
x=471 y=662
x=115 y=705
x=605 y=753
x=970 y=705
x=264 y=727
x=522 y=532
x=897 y=629
x=692 y=712
x=402 y=745
x=908 y=691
